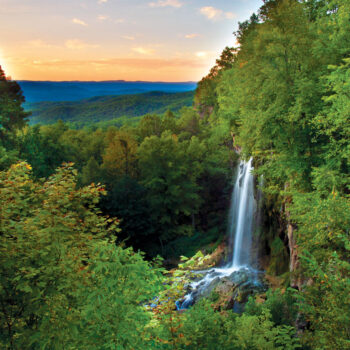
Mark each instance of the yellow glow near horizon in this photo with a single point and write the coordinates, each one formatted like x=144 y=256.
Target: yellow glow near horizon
x=131 y=68
x=8 y=67
x=3 y=64
x=111 y=40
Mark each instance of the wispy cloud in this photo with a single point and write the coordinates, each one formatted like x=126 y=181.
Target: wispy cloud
x=165 y=3
x=143 y=51
x=120 y=20
x=102 y=17
x=192 y=36
x=102 y=1
x=215 y=14
x=151 y=63
x=76 y=44
x=79 y=21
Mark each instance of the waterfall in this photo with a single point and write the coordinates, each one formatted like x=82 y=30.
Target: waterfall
x=240 y=225
x=241 y=216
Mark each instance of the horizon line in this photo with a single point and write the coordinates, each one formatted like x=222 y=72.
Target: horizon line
x=107 y=81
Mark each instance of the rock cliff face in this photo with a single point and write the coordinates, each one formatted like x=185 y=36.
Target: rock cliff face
x=295 y=280
x=261 y=246
x=237 y=148
x=293 y=256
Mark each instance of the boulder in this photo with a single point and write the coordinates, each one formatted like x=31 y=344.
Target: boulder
x=236 y=288
x=226 y=290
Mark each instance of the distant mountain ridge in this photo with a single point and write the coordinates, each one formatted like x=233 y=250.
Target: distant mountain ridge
x=108 y=108
x=39 y=91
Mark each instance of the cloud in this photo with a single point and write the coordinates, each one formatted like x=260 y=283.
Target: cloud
x=165 y=3
x=73 y=44
x=54 y=61
x=102 y=17
x=120 y=20
x=128 y=37
x=142 y=63
x=79 y=21
x=191 y=36
x=76 y=44
x=215 y=14
x=143 y=51
x=102 y=2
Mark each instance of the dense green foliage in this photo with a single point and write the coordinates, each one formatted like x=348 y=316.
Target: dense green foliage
x=12 y=118
x=59 y=275
x=108 y=110
x=287 y=99
x=166 y=177
x=67 y=280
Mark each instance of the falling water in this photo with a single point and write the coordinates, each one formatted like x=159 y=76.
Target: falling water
x=241 y=216
x=240 y=224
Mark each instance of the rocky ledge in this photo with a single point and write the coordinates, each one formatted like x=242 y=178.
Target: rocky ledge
x=227 y=290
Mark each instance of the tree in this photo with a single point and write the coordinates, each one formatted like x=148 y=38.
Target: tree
x=149 y=125
x=323 y=241
x=275 y=94
x=12 y=114
x=169 y=169
x=169 y=122
x=91 y=172
x=206 y=97
x=333 y=124
x=188 y=123
x=63 y=284
x=120 y=155
x=127 y=200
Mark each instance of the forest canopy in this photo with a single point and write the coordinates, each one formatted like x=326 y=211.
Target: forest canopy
x=95 y=220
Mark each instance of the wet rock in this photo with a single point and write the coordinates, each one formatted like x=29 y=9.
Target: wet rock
x=236 y=288
x=205 y=292
x=240 y=277
x=225 y=288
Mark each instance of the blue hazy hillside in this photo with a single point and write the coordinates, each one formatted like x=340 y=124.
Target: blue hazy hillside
x=113 y=110
x=38 y=91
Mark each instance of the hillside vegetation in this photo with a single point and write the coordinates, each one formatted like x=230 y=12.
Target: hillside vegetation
x=108 y=108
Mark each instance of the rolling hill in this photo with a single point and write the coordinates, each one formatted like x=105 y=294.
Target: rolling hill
x=108 y=108
x=38 y=91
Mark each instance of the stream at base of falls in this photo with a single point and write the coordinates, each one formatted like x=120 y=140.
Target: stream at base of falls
x=238 y=274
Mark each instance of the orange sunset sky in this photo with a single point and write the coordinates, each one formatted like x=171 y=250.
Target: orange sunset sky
x=152 y=40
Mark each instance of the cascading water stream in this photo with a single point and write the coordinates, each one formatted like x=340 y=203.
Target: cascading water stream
x=240 y=226
x=241 y=216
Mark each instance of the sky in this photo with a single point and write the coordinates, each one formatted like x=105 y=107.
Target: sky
x=94 y=40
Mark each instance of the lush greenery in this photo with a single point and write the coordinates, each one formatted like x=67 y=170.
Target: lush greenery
x=166 y=177
x=108 y=110
x=69 y=278
x=287 y=99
